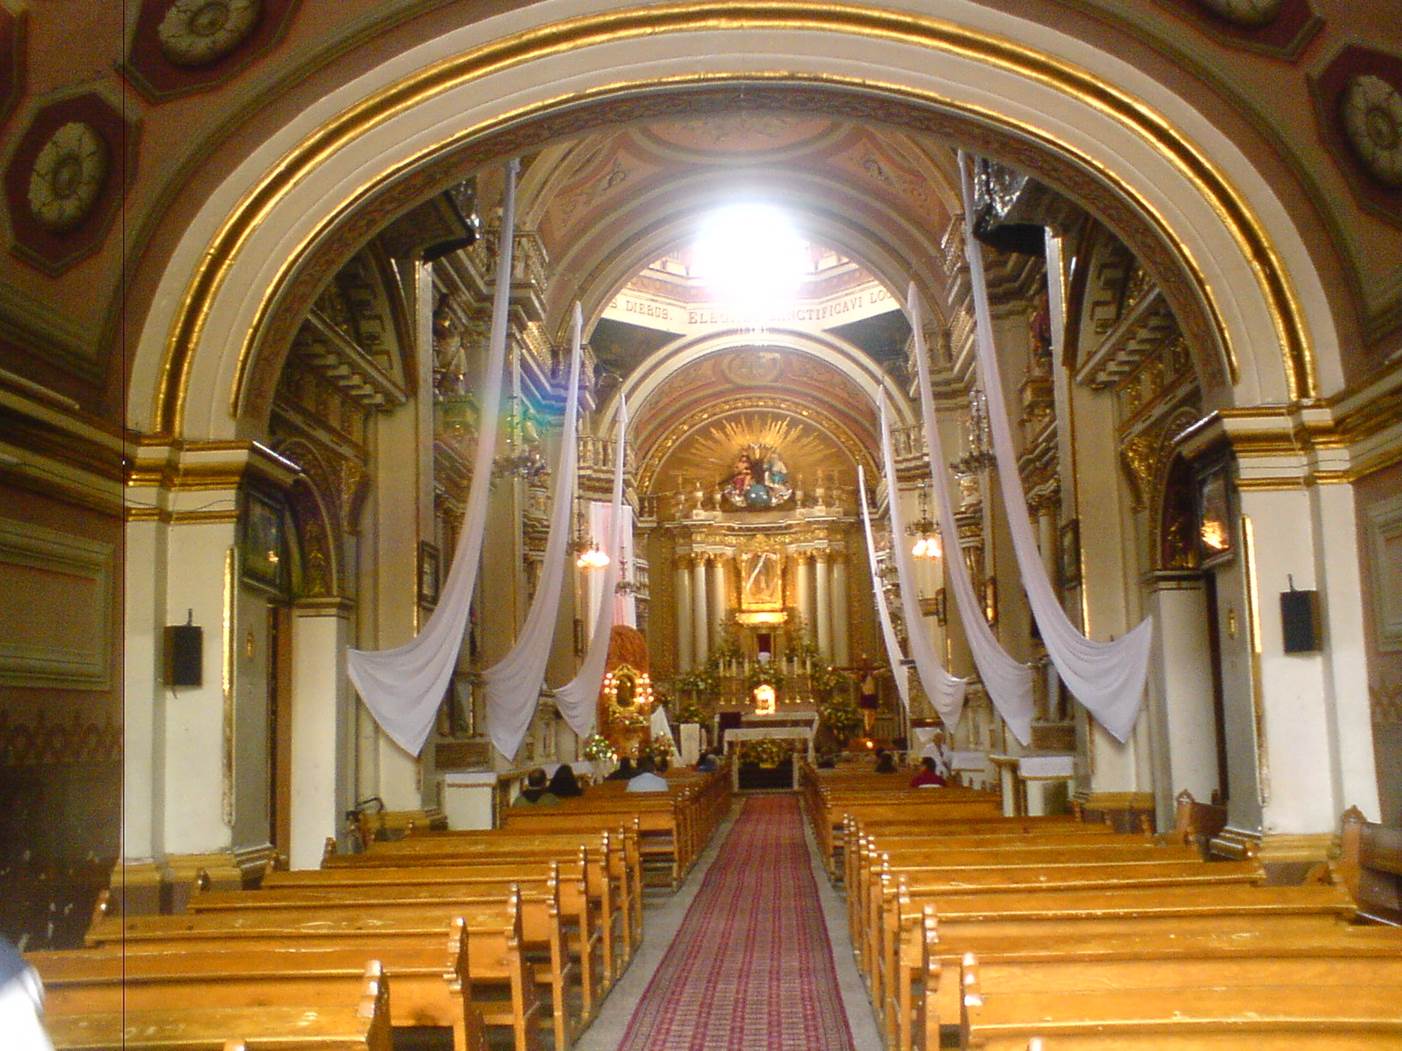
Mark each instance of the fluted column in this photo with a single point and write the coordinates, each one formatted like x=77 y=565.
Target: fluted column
x=803 y=582
x=840 y=653
x=698 y=609
x=719 y=594
x=824 y=610
x=684 y=630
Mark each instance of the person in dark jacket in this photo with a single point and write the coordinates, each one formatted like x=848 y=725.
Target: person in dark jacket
x=564 y=784
x=624 y=772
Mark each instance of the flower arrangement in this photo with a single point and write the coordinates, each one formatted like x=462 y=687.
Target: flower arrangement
x=699 y=682
x=841 y=717
x=767 y=751
x=688 y=711
x=628 y=718
x=661 y=750
x=598 y=749
x=825 y=680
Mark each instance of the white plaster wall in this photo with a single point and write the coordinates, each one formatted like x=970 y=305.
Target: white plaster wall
x=193 y=786
x=1181 y=697
x=320 y=692
x=143 y=689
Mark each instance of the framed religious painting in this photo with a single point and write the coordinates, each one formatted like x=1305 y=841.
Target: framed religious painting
x=1216 y=518
x=429 y=569
x=262 y=542
x=1068 y=555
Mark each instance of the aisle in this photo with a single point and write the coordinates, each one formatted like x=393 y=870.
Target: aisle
x=751 y=966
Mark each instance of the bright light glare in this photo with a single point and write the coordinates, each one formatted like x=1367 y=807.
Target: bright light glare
x=752 y=257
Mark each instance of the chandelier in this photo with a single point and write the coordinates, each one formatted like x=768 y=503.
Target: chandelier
x=980 y=456
x=625 y=586
x=589 y=555
x=928 y=543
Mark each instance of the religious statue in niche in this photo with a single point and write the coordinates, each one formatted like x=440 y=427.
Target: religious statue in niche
x=761 y=580
x=758 y=482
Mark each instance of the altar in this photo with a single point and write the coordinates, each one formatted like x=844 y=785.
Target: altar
x=789 y=726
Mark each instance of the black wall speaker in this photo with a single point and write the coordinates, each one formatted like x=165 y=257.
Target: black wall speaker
x=184 y=655
x=1299 y=621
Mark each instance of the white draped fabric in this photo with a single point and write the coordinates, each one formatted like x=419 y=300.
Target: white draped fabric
x=403 y=687
x=625 y=607
x=883 y=613
x=514 y=682
x=1008 y=682
x=1107 y=677
x=946 y=692
x=578 y=699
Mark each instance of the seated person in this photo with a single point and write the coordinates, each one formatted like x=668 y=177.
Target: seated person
x=707 y=763
x=537 y=791
x=928 y=776
x=564 y=785
x=827 y=760
x=645 y=780
x=624 y=772
x=885 y=762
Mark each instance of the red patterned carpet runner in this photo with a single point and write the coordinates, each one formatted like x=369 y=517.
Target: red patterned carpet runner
x=751 y=966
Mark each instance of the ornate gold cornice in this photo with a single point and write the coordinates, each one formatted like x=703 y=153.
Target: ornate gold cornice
x=1331 y=441
x=761 y=16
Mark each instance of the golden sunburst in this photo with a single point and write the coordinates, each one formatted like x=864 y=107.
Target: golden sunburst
x=710 y=453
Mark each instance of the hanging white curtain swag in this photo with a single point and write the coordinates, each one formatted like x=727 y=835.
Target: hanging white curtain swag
x=1008 y=682
x=1107 y=677
x=514 y=682
x=403 y=687
x=945 y=691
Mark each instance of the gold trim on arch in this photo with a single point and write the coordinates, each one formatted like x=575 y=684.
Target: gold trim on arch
x=763 y=15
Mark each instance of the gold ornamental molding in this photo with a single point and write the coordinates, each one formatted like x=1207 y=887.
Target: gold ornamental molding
x=761 y=16
x=1333 y=441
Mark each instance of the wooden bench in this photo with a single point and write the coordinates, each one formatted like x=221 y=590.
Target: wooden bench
x=360 y=1025
x=429 y=984
x=1370 y=865
x=882 y=935
x=495 y=961
x=933 y=933
x=663 y=826
x=543 y=935
x=617 y=850
x=395 y=824
x=584 y=896
x=1238 y=1017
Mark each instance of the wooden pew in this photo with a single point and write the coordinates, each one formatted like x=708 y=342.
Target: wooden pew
x=395 y=824
x=542 y=932
x=360 y=1025
x=618 y=852
x=494 y=954
x=592 y=920
x=429 y=986
x=883 y=934
x=663 y=826
x=1370 y=865
x=1238 y=1017
x=933 y=933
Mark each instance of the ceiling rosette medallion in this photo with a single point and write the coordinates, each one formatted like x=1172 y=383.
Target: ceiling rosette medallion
x=181 y=46
x=66 y=179
x=1279 y=28
x=1358 y=104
